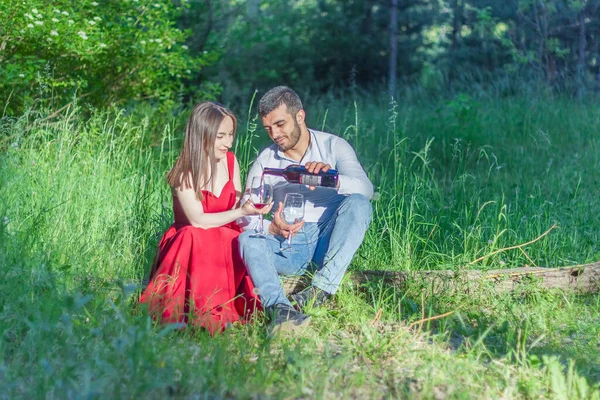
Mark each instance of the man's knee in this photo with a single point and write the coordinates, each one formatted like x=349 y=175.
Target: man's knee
x=244 y=241
x=358 y=206
x=252 y=247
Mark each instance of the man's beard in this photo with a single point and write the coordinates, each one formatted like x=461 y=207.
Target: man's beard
x=294 y=137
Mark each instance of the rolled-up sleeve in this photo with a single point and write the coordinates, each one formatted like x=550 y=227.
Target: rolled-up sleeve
x=352 y=177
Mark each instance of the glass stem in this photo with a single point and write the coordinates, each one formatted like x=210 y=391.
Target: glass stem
x=290 y=240
x=262 y=228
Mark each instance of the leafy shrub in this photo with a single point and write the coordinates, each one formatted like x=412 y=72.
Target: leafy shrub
x=105 y=51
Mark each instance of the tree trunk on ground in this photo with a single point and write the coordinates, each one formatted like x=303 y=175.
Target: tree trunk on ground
x=577 y=279
x=393 y=48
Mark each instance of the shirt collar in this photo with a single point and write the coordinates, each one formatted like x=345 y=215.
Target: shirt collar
x=308 y=150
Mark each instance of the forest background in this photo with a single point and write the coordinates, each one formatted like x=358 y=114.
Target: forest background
x=183 y=51
x=476 y=120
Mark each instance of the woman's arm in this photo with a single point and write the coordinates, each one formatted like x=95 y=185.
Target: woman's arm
x=194 y=212
x=192 y=208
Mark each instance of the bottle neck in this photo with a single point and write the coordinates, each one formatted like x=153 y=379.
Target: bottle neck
x=273 y=171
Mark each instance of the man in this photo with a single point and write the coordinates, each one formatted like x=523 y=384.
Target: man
x=335 y=221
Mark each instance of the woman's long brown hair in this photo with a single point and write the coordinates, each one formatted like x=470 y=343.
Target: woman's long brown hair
x=197 y=154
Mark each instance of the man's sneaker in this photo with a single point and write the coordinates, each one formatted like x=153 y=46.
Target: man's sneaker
x=285 y=319
x=312 y=295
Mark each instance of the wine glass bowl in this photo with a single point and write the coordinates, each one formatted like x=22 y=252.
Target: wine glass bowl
x=293 y=212
x=293 y=215
x=261 y=195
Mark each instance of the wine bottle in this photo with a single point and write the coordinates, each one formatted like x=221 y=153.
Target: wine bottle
x=298 y=174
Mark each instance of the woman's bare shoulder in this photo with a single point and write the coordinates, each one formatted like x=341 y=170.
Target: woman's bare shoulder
x=185 y=183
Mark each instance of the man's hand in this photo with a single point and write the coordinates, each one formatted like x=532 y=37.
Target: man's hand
x=314 y=167
x=279 y=227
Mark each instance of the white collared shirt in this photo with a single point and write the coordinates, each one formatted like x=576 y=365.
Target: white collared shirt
x=321 y=203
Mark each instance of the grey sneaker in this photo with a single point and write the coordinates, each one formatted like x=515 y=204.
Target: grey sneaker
x=311 y=295
x=285 y=319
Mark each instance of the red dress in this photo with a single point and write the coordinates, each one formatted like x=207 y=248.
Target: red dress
x=199 y=276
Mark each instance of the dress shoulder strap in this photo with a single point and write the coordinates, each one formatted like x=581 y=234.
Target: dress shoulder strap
x=230 y=163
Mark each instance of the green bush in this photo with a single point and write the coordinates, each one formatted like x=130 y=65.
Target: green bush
x=104 y=51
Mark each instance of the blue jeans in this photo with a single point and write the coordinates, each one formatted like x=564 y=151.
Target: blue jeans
x=330 y=245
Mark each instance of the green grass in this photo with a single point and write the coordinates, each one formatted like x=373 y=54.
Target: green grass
x=84 y=202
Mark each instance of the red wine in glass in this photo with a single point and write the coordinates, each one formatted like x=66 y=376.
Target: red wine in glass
x=261 y=194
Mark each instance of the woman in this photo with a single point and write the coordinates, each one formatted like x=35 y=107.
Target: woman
x=198 y=276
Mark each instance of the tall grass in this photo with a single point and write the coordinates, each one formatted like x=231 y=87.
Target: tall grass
x=84 y=202
x=463 y=178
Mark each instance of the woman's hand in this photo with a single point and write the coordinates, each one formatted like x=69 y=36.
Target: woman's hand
x=249 y=209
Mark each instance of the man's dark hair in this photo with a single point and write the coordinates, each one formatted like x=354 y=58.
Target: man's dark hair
x=277 y=96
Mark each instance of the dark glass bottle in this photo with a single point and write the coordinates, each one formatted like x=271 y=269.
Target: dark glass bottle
x=298 y=174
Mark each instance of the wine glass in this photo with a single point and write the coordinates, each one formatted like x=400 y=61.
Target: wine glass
x=261 y=194
x=293 y=212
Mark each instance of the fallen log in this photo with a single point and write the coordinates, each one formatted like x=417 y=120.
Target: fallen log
x=584 y=278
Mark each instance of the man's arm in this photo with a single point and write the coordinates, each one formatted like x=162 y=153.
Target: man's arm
x=352 y=176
